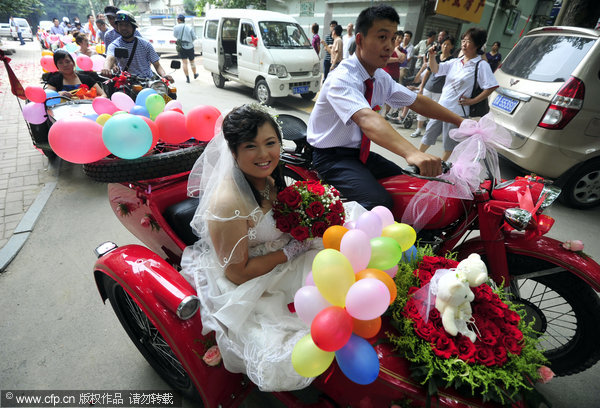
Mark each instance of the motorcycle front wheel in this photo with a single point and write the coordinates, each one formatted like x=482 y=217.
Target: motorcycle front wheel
x=566 y=312
x=149 y=341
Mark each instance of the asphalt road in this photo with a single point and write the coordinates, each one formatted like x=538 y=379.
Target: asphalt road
x=56 y=334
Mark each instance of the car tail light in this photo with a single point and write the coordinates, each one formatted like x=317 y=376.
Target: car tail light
x=151 y=41
x=172 y=42
x=565 y=105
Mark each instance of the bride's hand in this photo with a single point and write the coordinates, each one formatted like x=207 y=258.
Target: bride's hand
x=295 y=248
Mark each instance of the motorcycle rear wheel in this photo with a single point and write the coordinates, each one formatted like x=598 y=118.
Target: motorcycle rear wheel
x=149 y=341
x=566 y=310
x=166 y=160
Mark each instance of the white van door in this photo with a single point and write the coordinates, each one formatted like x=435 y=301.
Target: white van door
x=210 y=48
x=248 y=52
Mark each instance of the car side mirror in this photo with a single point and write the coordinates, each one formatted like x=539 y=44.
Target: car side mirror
x=121 y=53
x=175 y=64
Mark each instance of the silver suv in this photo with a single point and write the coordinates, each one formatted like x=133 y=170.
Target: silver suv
x=549 y=100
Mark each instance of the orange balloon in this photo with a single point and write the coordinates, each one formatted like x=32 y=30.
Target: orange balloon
x=333 y=236
x=382 y=276
x=366 y=328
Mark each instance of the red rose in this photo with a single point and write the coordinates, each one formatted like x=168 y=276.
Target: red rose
x=333 y=219
x=315 y=209
x=512 y=317
x=294 y=219
x=337 y=207
x=444 y=347
x=434 y=315
x=500 y=355
x=318 y=229
x=512 y=345
x=482 y=295
x=424 y=330
x=283 y=224
x=512 y=331
x=485 y=356
x=290 y=197
x=411 y=310
x=466 y=349
x=489 y=333
x=300 y=233
x=316 y=188
x=412 y=290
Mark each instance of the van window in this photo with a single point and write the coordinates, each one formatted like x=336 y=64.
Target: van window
x=211 y=29
x=247 y=31
x=550 y=58
x=279 y=34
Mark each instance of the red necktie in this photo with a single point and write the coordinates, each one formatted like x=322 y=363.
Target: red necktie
x=365 y=142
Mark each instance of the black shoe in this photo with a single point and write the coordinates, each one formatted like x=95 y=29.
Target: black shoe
x=187 y=79
x=196 y=76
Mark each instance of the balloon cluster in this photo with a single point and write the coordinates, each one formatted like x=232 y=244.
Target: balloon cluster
x=82 y=62
x=351 y=285
x=120 y=126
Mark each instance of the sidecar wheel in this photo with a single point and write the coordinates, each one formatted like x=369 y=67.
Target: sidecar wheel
x=149 y=341
x=164 y=160
x=566 y=311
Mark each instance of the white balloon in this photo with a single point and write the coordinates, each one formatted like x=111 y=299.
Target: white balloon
x=308 y=301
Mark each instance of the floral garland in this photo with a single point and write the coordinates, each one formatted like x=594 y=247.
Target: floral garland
x=502 y=365
x=307 y=208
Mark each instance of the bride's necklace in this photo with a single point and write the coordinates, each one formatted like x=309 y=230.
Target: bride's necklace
x=266 y=193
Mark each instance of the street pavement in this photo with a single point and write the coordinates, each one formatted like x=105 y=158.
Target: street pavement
x=56 y=334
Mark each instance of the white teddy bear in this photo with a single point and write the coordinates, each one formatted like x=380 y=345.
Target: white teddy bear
x=454 y=296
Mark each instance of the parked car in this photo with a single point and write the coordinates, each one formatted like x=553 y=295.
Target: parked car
x=549 y=99
x=5 y=30
x=161 y=37
x=24 y=27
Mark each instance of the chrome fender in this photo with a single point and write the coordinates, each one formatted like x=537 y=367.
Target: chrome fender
x=156 y=286
x=544 y=248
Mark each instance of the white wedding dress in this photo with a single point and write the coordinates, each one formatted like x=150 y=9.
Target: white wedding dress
x=255 y=330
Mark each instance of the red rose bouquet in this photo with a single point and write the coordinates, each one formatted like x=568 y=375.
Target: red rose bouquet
x=307 y=208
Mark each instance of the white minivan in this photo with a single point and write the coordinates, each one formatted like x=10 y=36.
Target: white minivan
x=264 y=50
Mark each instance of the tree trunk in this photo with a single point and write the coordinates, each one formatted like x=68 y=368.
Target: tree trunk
x=579 y=13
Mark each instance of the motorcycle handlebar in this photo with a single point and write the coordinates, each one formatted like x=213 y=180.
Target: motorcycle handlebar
x=415 y=172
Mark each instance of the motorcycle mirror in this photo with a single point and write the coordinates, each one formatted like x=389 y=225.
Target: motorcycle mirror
x=121 y=53
x=175 y=64
x=517 y=218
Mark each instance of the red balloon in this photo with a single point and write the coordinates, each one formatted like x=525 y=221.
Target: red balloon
x=77 y=140
x=331 y=328
x=35 y=94
x=154 y=129
x=203 y=122
x=48 y=63
x=171 y=127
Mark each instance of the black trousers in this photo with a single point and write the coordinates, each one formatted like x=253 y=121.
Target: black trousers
x=341 y=167
x=326 y=68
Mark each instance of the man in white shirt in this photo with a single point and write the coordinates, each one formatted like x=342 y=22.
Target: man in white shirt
x=343 y=121
x=422 y=47
x=348 y=40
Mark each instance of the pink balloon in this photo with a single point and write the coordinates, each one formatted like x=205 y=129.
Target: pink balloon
x=77 y=140
x=97 y=62
x=203 y=122
x=171 y=127
x=367 y=299
x=308 y=301
x=34 y=113
x=54 y=38
x=392 y=271
x=154 y=129
x=84 y=63
x=309 y=281
x=386 y=216
x=370 y=223
x=355 y=245
x=47 y=63
x=35 y=94
x=104 y=105
x=172 y=104
x=122 y=101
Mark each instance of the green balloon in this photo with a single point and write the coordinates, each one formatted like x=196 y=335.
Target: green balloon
x=155 y=105
x=385 y=253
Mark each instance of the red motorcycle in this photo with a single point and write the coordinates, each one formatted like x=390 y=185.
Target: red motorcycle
x=159 y=309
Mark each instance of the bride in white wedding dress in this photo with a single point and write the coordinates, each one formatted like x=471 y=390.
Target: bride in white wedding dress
x=245 y=270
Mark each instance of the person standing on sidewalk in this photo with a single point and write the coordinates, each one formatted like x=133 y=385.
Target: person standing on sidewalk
x=185 y=34
x=328 y=41
x=316 y=40
x=19 y=33
x=348 y=39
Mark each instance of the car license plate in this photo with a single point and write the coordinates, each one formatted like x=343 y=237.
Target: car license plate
x=505 y=104
x=161 y=41
x=300 y=89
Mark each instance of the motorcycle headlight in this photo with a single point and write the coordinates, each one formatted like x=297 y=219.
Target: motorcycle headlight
x=551 y=193
x=517 y=218
x=316 y=69
x=277 y=69
x=159 y=86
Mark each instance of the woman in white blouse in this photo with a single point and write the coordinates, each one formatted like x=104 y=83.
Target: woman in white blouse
x=460 y=79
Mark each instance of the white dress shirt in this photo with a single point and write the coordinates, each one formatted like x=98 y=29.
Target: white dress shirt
x=460 y=79
x=347 y=43
x=343 y=94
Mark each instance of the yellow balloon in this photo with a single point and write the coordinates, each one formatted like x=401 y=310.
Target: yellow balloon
x=333 y=275
x=100 y=49
x=47 y=52
x=308 y=359
x=101 y=119
x=404 y=234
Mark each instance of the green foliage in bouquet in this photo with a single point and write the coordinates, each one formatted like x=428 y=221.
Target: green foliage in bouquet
x=507 y=383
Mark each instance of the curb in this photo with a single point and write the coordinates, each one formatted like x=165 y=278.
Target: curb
x=25 y=227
